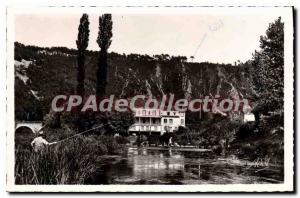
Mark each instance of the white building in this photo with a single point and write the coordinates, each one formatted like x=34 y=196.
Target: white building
x=249 y=117
x=157 y=121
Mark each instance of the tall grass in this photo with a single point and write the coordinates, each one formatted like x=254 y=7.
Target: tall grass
x=69 y=162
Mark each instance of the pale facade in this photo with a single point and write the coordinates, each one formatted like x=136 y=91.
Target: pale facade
x=249 y=117
x=157 y=121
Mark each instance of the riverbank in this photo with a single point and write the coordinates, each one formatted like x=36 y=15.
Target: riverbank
x=186 y=149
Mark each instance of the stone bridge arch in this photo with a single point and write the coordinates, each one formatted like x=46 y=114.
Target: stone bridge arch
x=33 y=126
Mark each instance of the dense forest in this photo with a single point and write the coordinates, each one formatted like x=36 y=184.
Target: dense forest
x=42 y=73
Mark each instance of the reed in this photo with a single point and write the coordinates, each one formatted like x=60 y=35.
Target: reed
x=69 y=162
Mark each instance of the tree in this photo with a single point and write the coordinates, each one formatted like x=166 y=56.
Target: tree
x=226 y=131
x=82 y=44
x=104 y=42
x=268 y=68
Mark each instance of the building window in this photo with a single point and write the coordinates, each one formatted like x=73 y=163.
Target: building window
x=182 y=121
x=144 y=112
x=168 y=113
x=171 y=121
x=144 y=120
x=165 y=121
x=154 y=113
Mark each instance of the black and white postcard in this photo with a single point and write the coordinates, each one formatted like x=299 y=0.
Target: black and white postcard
x=150 y=99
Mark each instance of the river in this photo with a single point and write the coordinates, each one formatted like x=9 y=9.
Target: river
x=142 y=166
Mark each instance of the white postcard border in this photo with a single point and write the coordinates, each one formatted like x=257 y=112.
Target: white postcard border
x=287 y=18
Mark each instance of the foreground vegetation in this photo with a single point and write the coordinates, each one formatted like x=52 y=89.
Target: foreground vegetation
x=69 y=162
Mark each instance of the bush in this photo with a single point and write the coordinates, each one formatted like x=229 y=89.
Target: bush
x=246 y=130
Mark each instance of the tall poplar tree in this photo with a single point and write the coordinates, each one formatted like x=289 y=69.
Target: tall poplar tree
x=104 y=42
x=82 y=44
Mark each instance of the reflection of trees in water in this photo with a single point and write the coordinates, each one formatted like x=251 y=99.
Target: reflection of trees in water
x=143 y=166
x=108 y=172
x=154 y=165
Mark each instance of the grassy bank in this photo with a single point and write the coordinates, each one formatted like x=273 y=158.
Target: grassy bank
x=69 y=162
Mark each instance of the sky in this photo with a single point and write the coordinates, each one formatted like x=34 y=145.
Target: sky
x=214 y=38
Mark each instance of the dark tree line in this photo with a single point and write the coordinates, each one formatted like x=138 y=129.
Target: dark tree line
x=104 y=42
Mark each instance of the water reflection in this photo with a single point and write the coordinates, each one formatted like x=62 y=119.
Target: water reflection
x=161 y=165
x=142 y=166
